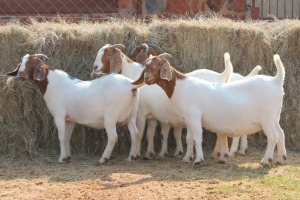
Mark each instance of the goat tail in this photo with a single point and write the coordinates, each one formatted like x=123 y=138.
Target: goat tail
x=227 y=74
x=134 y=108
x=280 y=69
x=254 y=71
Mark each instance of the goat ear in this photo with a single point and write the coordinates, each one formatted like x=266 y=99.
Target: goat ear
x=15 y=72
x=116 y=62
x=142 y=56
x=165 y=71
x=140 y=81
x=134 y=53
x=39 y=72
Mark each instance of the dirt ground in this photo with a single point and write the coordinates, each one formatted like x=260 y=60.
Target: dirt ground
x=83 y=178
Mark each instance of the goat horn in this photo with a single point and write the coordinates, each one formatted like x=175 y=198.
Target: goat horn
x=135 y=51
x=119 y=46
x=156 y=48
x=165 y=55
x=145 y=46
x=41 y=56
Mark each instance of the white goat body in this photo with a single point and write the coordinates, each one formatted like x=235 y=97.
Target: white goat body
x=158 y=108
x=232 y=109
x=147 y=110
x=225 y=77
x=151 y=109
x=100 y=103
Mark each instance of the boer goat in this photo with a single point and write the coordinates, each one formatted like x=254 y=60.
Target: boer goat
x=232 y=109
x=101 y=103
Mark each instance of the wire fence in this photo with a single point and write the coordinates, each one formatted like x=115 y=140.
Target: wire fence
x=22 y=10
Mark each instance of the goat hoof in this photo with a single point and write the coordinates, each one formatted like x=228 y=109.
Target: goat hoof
x=146 y=158
x=133 y=157
x=197 y=164
x=186 y=159
x=68 y=158
x=103 y=160
x=163 y=155
x=231 y=154
x=268 y=163
x=221 y=162
x=179 y=153
x=226 y=155
x=281 y=161
x=265 y=165
x=243 y=153
x=284 y=157
x=151 y=155
x=278 y=163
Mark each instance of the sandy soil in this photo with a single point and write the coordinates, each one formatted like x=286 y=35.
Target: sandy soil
x=169 y=178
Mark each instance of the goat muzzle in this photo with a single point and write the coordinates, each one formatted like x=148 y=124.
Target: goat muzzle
x=149 y=80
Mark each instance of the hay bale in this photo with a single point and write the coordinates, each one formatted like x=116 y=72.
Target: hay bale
x=201 y=43
x=27 y=126
x=286 y=42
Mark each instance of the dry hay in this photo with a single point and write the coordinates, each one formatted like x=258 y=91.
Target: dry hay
x=286 y=42
x=27 y=126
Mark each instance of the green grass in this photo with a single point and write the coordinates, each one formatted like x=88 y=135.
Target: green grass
x=261 y=183
x=281 y=187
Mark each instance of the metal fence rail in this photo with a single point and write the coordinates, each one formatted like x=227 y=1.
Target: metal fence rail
x=281 y=9
x=99 y=9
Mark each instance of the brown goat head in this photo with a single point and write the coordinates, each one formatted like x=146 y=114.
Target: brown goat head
x=109 y=59
x=143 y=51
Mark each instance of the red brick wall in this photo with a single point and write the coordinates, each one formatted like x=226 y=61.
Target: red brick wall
x=57 y=6
x=184 y=6
x=235 y=9
x=124 y=8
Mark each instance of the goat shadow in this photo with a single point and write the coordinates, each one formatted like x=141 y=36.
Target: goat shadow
x=86 y=167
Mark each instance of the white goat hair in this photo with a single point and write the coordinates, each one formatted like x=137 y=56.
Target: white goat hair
x=150 y=109
x=235 y=140
x=101 y=103
x=232 y=109
x=226 y=76
x=159 y=108
x=215 y=77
